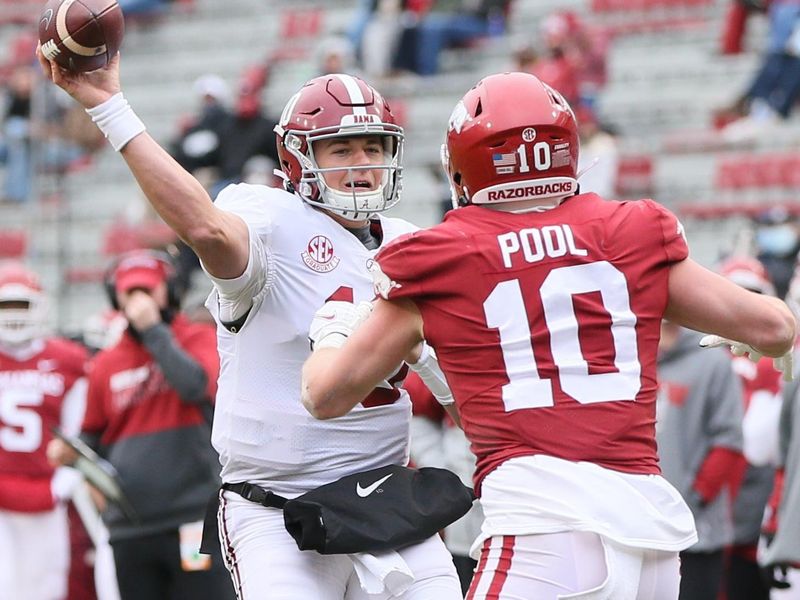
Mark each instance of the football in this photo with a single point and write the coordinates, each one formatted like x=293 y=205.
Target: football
x=81 y=35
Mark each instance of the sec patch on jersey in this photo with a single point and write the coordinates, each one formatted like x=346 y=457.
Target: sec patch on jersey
x=81 y=35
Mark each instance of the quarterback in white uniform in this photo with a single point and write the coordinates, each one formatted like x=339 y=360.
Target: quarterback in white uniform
x=275 y=257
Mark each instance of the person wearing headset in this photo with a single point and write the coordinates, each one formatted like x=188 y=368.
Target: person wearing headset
x=149 y=413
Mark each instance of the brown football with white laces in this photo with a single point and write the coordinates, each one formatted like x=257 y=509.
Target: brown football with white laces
x=81 y=35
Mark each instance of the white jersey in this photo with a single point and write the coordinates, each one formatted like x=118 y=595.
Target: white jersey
x=299 y=259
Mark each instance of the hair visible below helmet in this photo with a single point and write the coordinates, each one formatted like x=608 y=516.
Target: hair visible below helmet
x=335 y=106
x=20 y=324
x=511 y=138
x=748 y=273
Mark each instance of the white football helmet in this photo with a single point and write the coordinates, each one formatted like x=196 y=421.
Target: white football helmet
x=23 y=306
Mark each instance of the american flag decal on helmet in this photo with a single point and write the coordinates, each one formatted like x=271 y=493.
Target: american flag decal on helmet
x=505 y=163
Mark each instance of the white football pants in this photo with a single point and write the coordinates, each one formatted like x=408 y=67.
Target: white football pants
x=572 y=565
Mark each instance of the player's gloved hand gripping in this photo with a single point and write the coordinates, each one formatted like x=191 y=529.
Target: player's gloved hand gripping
x=783 y=363
x=335 y=322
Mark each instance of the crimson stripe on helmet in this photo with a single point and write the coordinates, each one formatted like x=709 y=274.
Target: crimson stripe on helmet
x=354 y=91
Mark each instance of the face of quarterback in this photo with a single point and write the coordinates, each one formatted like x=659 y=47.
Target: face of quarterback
x=342 y=153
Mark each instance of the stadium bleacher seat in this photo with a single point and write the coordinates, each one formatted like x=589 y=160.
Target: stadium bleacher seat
x=13 y=243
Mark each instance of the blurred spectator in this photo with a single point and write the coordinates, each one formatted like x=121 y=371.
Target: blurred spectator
x=524 y=57
x=248 y=132
x=43 y=385
x=16 y=140
x=781 y=558
x=776 y=86
x=777 y=241
x=381 y=36
x=699 y=434
x=779 y=554
x=761 y=385
x=558 y=65
x=217 y=144
x=260 y=170
x=573 y=60
x=449 y=23
x=436 y=441
x=335 y=55
x=736 y=22
x=42 y=131
x=146 y=9
x=598 y=162
x=149 y=409
x=199 y=143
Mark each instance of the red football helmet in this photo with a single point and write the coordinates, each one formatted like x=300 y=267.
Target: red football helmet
x=22 y=305
x=749 y=273
x=332 y=106
x=511 y=138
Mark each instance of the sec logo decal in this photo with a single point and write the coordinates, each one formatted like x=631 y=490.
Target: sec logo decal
x=319 y=255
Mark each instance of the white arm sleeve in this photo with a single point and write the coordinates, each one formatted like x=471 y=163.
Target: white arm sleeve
x=236 y=295
x=427 y=367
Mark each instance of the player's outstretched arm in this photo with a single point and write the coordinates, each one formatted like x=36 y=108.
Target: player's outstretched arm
x=705 y=301
x=336 y=379
x=219 y=238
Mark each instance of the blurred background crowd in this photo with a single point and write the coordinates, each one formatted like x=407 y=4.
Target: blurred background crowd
x=689 y=102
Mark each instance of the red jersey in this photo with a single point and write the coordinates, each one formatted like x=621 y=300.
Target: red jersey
x=546 y=324
x=32 y=394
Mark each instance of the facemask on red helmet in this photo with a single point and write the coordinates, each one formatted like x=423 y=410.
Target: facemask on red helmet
x=339 y=106
x=511 y=138
x=23 y=307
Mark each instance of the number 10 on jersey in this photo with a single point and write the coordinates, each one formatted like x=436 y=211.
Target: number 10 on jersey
x=505 y=310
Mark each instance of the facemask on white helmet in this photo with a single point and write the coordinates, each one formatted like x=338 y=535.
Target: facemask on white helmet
x=352 y=204
x=22 y=314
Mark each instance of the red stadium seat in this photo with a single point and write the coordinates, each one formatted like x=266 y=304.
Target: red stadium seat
x=13 y=243
x=758 y=171
x=635 y=176
x=301 y=23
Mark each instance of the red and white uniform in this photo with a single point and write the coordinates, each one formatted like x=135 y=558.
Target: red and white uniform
x=299 y=259
x=546 y=325
x=42 y=386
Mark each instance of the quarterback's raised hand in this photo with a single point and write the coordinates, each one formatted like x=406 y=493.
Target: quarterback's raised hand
x=335 y=321
x=783 y=363
x=89 y=89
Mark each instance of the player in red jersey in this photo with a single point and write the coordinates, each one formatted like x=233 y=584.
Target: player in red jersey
x=42 y=385
x=544 y=307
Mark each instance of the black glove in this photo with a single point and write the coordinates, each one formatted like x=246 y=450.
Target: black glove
x=774 y=577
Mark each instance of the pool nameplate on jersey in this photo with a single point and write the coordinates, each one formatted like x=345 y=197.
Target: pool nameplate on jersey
x=538 y=243
x=319 y=255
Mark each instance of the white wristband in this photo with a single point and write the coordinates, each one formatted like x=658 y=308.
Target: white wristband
x=116 y=119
